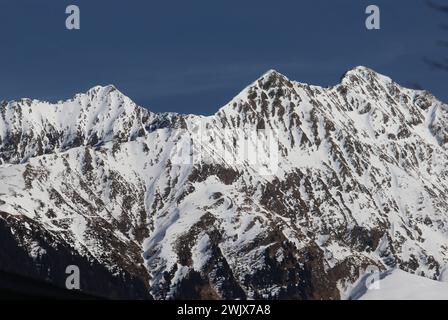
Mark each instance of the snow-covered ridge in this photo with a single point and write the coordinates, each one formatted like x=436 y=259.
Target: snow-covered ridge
x=400 y=285
x=103 y=113
x=31 y=127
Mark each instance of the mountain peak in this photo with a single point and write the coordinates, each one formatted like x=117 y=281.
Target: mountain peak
x=271 y=72
x=107 y=93
x=272 y=78
x=102 y=90
x=362 y=72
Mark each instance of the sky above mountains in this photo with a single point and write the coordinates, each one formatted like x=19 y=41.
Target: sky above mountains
x=194 y=56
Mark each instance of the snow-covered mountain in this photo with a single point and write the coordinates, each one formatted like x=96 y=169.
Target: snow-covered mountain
x=400 y=285
x=288 y=191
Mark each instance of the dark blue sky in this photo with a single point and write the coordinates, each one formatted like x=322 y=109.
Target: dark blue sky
x=192 y=56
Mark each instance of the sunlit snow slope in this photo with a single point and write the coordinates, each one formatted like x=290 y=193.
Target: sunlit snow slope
x=400 y=285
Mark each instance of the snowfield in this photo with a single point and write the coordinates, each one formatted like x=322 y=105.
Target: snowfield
x=400 y=285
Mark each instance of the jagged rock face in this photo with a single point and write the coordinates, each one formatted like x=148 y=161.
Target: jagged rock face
x=289 y=191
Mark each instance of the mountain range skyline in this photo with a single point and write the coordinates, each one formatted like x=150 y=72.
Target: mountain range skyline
x=113 y=87
x=190 y=57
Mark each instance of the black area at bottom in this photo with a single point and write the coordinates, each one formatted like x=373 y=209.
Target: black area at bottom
x=13 y=286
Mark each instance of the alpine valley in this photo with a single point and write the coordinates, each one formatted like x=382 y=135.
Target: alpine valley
x=360 y=182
